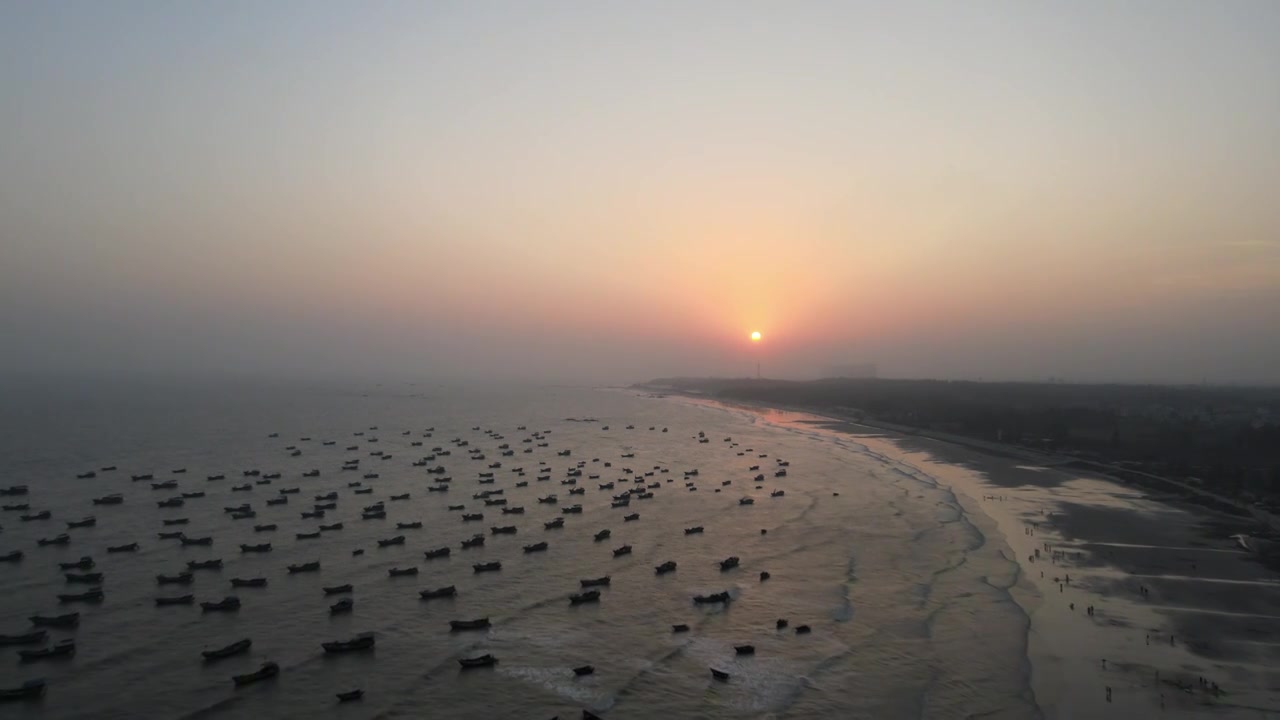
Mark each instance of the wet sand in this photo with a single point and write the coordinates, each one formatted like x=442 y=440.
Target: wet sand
x=1176 y=605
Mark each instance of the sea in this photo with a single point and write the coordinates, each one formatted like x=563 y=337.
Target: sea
x=907 y=601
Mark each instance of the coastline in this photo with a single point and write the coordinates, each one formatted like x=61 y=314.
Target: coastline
x=1160 y=618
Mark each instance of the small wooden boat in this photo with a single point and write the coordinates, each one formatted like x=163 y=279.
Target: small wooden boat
x=416 y=525
x=314 y=515
x=549 y=500
x=374 y=515
x=270 y=527
x=503 y=530
x=719 y=675
x=477 y=624
x=28 y=690
x=94 y=595
x=165 y=485
x=781 y=623
x=307 y=535
x=437 y=553
x=364 y=491
x=338 y=589
x=260 y=548
x=596 y=582
x=778 y=493
x=584 y=670
x=402 y=572
x=517 y=510
x=397 y=540
x=173 y=502
x=485 y=660
x=86 y=578
x=729 y=563
x=267 y=671
x=174 y=535
x=747 y=501
x=536 y=547
x=487 y=567
x=84 y=563
x=16 y=508
x=170 y=522
x=243 y=515
x=553 y=524
x=632 y=516
x=89 y=521
x=666 y=567
x=469 y=517
x=235 y=648
x=572 y=510
x=357 y=551
x=205 y=564
x=230 y=603
x=720 y=597
x=578 y=491
x=211 y=478
x=693 y=530
x=175 y=600
x=31 y=638
x=680 y=628
x=12 y=556
x=449 y=591
x=203 y=541
x=624 y=550
x=745 y=649
x=183 y=578
x=589 y=596
x=278 y=501
x=257 y=582
x=803 y=629
x=62 y=539
x=345 y=605
x=474 y=541
x=116 y=499
x=304 y=567
x=60 y=621
x=404 y=496
x=764 y=575
x=363 y=641
x=193 y=495
x=603 y=535
x=65 y=648
x=350 y=696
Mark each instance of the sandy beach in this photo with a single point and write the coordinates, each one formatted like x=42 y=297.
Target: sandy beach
x=1138 y=607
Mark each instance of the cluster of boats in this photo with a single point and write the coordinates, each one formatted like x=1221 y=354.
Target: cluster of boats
x=638 y=486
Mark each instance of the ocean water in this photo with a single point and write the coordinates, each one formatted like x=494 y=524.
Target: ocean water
x=906 y=598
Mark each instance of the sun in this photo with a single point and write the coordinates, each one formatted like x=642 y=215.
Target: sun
x=755 y=336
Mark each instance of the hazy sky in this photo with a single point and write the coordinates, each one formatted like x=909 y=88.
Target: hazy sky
x=613 y=190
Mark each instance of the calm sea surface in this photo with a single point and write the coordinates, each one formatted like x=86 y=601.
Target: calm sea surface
x=905 y=597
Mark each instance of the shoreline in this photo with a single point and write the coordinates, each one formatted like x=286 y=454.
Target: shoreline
x=1100 y=642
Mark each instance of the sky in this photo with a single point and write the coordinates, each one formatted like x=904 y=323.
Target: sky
x=609 y=191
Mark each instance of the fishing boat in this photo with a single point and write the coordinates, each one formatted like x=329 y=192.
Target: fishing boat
x=204 y=541
x=235 y=648
x=89 y=521
x=485 y=660
x=487 y=567
x=59 y=621
x=603 y=535
x=86 y=578
x=173 y=502
x=94 y=595
x=589 y=596
x=116 y=499
x=270 y=527
x=65 y=648
x=745 y=649
x=719 y=675
x=680 y=628
x=477 y=624
x=363 y=641
x=536 y=547
x=503 y=530
x=170 y=522
x=267 y=671
x=729 y=563
x=397 y=540
x=28 y=690
x=584 y=670
x=778 y=493
x=260 y=548
x=402 y=572
x=696 y=530
x=11 y=556
x=31 y=638
x=338 y=589
x=257 y=582
x=350 y=696
x=449 y=591
x=344 y=605
x=802 y=629
x=62 y=539
x=313 y=566
x=416 y=525
x=183 y=578
x=624 y=550
x=437 y=553
x=553 y=524
x=374 y=515
x=173 y=535
x=632 y=516
x=781 y=623
x=307 y=535
x=230 y=603
x=720 y=597
x=666 y=567
x=84 y=563
x=175 y=600
x=204 y=564
x=474 y=541
x=278 y=501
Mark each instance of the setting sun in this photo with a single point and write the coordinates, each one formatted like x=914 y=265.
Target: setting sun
x=755 y=336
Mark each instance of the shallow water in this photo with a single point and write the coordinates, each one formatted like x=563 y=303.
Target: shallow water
x=905 y=595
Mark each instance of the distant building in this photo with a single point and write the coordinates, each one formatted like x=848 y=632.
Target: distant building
x=864 y=370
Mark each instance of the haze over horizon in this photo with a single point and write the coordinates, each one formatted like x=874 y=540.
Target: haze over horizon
x=610 y=192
